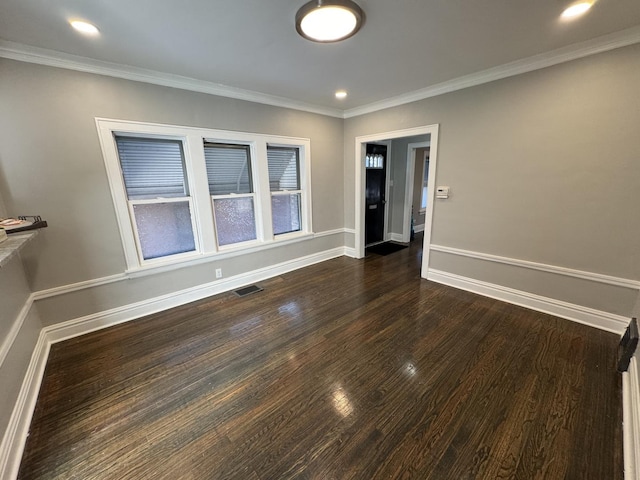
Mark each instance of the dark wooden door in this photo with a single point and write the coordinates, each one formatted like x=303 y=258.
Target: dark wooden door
x=376 y=168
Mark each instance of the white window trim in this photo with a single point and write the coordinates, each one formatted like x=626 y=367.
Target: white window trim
x=200 y=199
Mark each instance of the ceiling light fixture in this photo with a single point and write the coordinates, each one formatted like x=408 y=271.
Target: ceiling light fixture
x=340 y=94
x=84 y=27
x=327 y=21
x=577 y=9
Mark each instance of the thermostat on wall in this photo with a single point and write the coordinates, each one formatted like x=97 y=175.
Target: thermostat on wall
x=442 y=192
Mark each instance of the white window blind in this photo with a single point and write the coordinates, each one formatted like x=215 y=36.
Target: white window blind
x=152 y=168
x=284 y=173
x=228 y=168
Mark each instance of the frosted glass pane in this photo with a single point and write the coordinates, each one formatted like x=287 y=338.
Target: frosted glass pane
x=286 y=213
x=164 y=228
x=235 y=220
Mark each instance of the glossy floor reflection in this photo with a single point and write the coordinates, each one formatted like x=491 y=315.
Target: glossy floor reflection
x=349 y=369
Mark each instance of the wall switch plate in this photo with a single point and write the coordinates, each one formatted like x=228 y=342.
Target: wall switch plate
x=218 y=273
x=442 y=192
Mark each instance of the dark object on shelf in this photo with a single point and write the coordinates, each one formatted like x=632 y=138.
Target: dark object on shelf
x=385 y=248
x=627 y=346
x=36 y=222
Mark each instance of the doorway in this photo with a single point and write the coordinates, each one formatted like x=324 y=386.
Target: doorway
x=360 y=187
x=376 y=193
x=414 y=210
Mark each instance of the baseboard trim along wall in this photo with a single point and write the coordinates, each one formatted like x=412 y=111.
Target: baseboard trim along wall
x=577 y=313
x=396 y=237
x=15 y=329
x=631 y=421
x=418 y=228
x=15 y=437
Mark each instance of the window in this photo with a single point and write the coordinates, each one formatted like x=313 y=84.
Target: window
x=425 y=182
x=184 y=193
x=232 y=192
x=284 y=184
x=158 y=195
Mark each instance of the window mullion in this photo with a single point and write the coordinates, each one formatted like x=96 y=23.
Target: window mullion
x=203 y=211
x=263 y=192
x=305 y=185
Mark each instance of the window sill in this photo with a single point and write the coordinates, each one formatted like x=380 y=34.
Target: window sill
x=228 y=252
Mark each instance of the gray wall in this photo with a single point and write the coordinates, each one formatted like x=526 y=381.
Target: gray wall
x=51 y=163
x=15 y=292
x=3 y=209
x=543 y=167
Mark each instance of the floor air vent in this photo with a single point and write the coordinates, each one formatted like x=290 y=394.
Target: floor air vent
x=244 y=291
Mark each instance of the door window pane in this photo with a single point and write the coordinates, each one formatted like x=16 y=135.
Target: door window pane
x=164 y=228
x=286 y=213
x=235 y=220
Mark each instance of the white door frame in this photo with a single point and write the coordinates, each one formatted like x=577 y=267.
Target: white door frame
x=408 y=189
x=360 y=177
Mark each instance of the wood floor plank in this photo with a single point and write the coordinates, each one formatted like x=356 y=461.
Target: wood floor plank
x=344 y=370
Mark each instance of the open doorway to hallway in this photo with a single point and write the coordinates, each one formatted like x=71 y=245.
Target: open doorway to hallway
x=398 y=200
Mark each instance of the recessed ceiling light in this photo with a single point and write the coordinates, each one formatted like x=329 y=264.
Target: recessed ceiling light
x=341 y=94
x=84 y=27
x=328 y=21
x=577 y=9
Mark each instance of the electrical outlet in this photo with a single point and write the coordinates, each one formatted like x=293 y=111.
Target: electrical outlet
x=218 y=273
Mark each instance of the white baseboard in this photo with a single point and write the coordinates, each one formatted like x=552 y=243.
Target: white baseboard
x=631 y=421
x=587 y=316
x=396 y=237
x=418 y=228
x=350 y=252
x=15 y=436
x=15 y=329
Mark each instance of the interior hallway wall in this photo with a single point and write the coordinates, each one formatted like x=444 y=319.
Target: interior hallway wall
x=543 y=167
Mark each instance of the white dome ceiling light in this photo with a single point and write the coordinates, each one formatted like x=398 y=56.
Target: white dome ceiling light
x=327 y=21
x=84 y=27
x=577 y=9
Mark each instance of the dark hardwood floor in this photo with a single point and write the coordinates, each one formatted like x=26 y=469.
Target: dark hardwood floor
x=344 y=370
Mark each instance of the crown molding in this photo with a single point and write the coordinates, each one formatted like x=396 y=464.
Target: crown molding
x=51 y=58
x=601 y=44
x=43 y=56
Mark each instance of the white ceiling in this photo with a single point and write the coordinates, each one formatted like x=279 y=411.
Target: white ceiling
x=404 y=46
